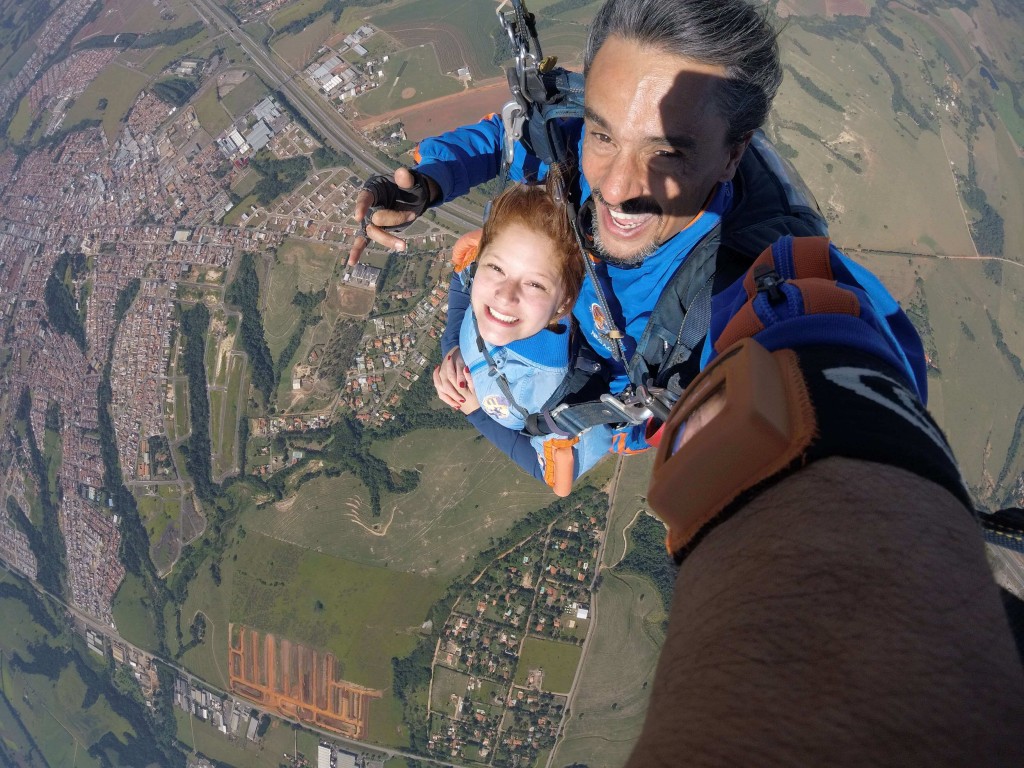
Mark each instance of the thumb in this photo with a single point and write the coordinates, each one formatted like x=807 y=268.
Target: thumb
x=404 y=178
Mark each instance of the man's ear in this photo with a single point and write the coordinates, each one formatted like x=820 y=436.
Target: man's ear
x=735 y=155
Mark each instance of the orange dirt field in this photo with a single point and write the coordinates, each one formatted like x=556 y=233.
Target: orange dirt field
x=297 y=682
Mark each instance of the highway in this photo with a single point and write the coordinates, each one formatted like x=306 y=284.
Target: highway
x=331 y=126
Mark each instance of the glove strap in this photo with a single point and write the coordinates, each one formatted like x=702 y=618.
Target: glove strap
x=755 y=417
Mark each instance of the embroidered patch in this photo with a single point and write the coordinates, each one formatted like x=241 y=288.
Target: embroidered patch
x=495 y=406
x=599 y=332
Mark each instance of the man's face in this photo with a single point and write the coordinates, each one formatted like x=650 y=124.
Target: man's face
x=654 y=145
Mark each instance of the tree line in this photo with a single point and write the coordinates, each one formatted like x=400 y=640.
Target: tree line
x=244 y=293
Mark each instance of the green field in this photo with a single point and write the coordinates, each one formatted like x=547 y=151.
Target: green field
x=209 y=659
x=228 y=436
x=132 y=614
x=244 y=96
x=364 y=615
x=298 y=49
x=246 y=182
x=558 y=660
x=474 y=20
x=293 y=11
x=234 y=216
x=211 y=113
x=158 y=511
x=181 y=418
x=120 y=86
x=50 y=709
x=17 y=129
x=618 y=669
x=469 y=493
x=421 y=72
x=299 y=266
x=630 y=495
x=445 y=684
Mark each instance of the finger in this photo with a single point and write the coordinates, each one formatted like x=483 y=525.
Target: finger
x=364 y=201
x=356 y=251
x=444 y=392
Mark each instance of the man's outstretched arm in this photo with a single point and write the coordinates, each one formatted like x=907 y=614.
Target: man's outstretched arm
x=845 y=616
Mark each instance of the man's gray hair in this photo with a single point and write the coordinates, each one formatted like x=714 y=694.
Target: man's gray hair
x=731 y=34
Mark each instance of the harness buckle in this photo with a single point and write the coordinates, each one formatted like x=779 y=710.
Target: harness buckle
x=513 y=118
x=632 y=410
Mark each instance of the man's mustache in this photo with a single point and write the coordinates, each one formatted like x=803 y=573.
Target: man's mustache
x=635 y=205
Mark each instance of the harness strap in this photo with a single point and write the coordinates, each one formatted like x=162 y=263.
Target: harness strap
x=499 y=377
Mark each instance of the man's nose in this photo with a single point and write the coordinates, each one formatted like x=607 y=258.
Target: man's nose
x=624 y=179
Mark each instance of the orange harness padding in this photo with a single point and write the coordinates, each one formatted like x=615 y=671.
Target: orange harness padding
x=559 y=464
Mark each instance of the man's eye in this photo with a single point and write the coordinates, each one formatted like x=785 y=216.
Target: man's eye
x=603 y=138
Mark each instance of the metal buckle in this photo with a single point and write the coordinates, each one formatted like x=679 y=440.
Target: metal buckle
x=513 y=117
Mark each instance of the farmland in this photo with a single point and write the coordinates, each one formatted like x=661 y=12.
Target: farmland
x=558 y=661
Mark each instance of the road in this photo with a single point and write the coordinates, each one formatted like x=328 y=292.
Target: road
x=331 y=126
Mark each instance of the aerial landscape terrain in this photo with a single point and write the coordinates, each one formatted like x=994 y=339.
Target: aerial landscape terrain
x=237 y=527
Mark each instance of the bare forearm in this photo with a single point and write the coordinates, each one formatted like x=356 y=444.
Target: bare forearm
x=846 y=616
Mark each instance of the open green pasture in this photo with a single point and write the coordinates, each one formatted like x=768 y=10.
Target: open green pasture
x=362 y=614
x=293 y=11
x=228 y=435
x=17 y=129
x=978 y=327
x=159 y=506
x=211 y=112
x=558 y=660
x=630 y=499
x=470 y=20
x=1000 y=174
x=132 y=615
x=181 y=419
x=299 y=266
x=868 y=137
x=299 y=49
x=420 y=71
x=244 y=96
x=234 y=216
x=51 y=710
x=246 y=182
x=618 y=669
x=445 y=684
x=469 y=493
x=209 y=659
x=120 y=86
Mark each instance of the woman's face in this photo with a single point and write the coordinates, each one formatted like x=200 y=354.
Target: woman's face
x=517 y=289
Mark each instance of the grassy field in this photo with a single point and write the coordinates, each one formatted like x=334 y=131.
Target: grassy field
x=445 y=684
x=299 y=266
x=211 y=113
x=364 y=615
x=978 y=397
x=558 y=660
x=618 y=670
x=246 y=182
x=120 y=86
x=294 y=11
x=228 y=436
x=299 y=49
x=51 y=710
x=420 y=72
x=233 y=217
x=209 y=659
x=17 y=129
x=867 y=135
x=472 y=20
x=244 y=96
x=131 y=613
x=159 y=509
x=631 y=491
x=181 y=418
x=469 y=493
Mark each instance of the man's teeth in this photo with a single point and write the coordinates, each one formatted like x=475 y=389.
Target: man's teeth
x=628 y=220
x=504 y=318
